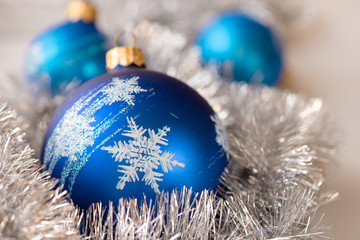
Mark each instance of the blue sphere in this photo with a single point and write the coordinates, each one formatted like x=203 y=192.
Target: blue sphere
x=69 y=52
x=248 y=48
x=133 y=132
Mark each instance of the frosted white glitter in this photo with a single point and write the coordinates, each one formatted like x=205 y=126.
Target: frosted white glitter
x=78 y=130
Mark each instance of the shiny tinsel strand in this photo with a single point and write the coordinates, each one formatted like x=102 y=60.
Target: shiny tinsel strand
x=29 y=207
x=181 y=215
x=176 y=215
x=280 y=136
x=285 y=219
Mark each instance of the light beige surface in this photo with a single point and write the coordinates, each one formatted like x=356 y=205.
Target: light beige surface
x=324 y=61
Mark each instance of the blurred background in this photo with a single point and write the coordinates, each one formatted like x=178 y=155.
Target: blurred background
x=322 y=60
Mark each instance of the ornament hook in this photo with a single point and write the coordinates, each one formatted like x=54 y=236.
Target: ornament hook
x=118 y=35
x=124 y=55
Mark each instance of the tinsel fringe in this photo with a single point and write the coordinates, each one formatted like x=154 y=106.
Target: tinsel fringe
x=29 y=207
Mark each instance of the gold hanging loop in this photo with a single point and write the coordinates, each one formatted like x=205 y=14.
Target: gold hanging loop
x=118 y=35
x=124 y=55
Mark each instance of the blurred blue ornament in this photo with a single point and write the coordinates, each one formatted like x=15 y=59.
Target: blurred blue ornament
x=132 y=132
x=242 y=48
x=70 y=52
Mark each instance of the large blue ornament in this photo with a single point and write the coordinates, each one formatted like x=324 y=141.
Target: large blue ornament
x=250 y=48
x=73 y=51
x=133 y=132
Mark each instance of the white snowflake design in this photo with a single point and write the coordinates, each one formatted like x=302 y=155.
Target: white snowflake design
x=221 y=135
x=122 y=90
x=142 y=154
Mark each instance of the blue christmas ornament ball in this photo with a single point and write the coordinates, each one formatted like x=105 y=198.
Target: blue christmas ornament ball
x=71 y=52
x=133 y=132
x=251 y=50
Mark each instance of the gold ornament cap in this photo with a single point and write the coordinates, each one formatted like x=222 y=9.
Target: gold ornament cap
x=81 y=11
x=124 y=55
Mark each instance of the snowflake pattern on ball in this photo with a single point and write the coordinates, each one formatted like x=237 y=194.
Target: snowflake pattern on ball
x=142 y=154
x=78 y=130
x=122 y=90
x=221 y=135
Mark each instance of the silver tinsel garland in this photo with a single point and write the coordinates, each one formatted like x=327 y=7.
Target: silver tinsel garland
x=280 y=144
x=29 y=207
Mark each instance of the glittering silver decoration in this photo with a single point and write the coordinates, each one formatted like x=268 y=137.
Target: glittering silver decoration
x=29 y=207
x=280 y=144
x=186 y=215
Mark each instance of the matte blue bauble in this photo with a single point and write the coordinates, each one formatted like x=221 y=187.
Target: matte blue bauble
x=71 y=51
x=133 y=132
x=250 y=48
